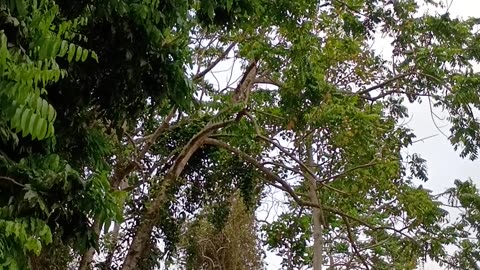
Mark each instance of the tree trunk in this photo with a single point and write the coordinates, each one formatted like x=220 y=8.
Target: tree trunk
x=317 y=215
x=144 y=229
x=148 y=219
x=87 y=257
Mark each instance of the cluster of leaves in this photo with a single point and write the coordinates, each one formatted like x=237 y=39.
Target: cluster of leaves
x=463 y=233
x=30 y=43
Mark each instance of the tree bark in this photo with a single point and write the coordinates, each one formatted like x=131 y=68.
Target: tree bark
x=144 y=229
x=317 y=214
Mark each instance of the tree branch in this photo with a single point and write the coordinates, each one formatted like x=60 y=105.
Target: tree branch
x=352 y=242
x=214 y=63
x=159 y=195
x=12 y=180
x=120 y=174
x=267 y=81
x=387 y=82
x=307 y=170
x=371 y=163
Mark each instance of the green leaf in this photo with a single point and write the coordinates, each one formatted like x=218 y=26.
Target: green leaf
x=79 y=54
x=56 y=43
x=33 y=124
x=26 y=115
x=21 y=8
x=15 y=122
x=84 y=55
x=71 y=52
x=45 y=47
x=41 y=128
x=51 y=130
x=38 y=104
x=52 y=114
x=94 y=56
x=44 y=109
x=13 y=265
x=46 y=234
x=63 y=48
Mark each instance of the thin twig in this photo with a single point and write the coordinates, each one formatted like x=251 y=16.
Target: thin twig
x=12 y=180
x=371 y=163
x=387 y=82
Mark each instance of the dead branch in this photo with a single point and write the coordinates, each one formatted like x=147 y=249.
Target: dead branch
x=214 y=63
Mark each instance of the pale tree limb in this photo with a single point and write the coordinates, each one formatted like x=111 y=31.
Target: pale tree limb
x=145 y=227
x=119 y=175
x=353 y=244
x=317 y=212
x=307 y=171
x=268 y=81
x=363 y=166
x=361 y=93
x=111 y=253
x=12 y=180
x=384 y=83
x=214 y=63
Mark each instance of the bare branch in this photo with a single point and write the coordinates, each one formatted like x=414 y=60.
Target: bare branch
x=300 y=163
x=371 y=163
x=120 y=174
x=272 y=178
x=214 y=63
x=267 y=81
x=387 y=82
x=12 y=180
x=352 y=242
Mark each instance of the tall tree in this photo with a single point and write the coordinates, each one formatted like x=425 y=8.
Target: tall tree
x=113 y=111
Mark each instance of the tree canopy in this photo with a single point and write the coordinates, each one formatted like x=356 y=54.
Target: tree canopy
x=145 y=134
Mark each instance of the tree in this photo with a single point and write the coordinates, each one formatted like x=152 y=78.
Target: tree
x=126 y=128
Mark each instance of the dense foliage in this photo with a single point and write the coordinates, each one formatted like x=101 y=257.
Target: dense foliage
x=144 y=134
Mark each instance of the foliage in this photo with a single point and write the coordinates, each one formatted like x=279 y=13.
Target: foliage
x=29 y=47
x=114 y=117
x=233 y=246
